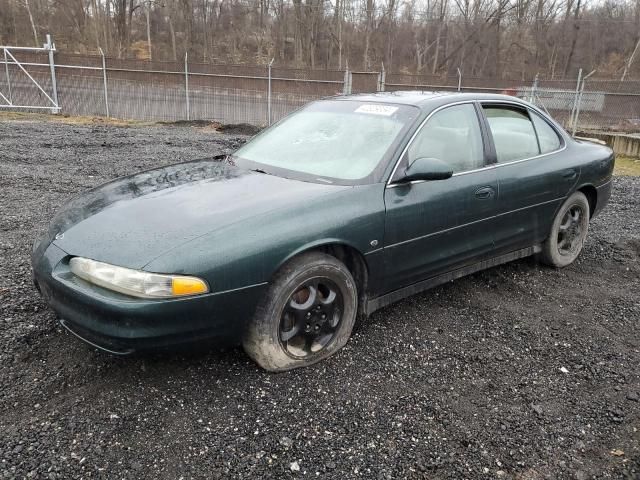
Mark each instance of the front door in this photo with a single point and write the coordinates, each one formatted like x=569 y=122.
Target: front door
x=435 y=226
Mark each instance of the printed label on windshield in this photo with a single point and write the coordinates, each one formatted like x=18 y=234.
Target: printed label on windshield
x=377 y=109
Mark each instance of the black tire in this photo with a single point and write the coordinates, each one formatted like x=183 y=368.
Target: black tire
x=295 y=322
x=568 y=232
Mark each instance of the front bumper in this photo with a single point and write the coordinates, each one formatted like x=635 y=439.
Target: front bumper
x=122 y=325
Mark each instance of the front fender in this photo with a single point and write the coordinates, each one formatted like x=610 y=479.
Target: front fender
x=250 y=252
x=316 y=244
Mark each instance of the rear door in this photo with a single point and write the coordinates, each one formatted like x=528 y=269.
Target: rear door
x=440 y=225
x=534 y=176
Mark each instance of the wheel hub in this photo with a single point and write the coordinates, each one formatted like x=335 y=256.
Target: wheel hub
x=311 y=317
x=570 y=231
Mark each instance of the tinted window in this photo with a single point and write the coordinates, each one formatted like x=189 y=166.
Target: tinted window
x=453 y=136
x=513 y=133
x=547 y=136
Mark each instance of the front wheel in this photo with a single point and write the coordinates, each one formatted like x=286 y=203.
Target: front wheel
x=568 y=232
x=307 y=314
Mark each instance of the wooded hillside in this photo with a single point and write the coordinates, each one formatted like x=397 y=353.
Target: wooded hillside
x=484 y=38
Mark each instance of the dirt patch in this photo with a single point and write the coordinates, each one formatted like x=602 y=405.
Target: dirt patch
x=230 y=129
x=518 y=372
x=193 y=123
x=239 y=129
x=69 y=119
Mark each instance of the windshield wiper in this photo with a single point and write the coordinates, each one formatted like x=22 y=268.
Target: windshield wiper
x=259 y=170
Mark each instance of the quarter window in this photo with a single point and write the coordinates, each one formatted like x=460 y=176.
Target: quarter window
x=453 y=136
x=513 y=134
x=547 y=136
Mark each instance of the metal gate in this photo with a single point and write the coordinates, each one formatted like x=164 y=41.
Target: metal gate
x=8 y=99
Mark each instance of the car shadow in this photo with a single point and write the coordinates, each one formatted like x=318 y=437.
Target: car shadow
x=492 y=278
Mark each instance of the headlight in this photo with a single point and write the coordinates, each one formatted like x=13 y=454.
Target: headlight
x=135 y=282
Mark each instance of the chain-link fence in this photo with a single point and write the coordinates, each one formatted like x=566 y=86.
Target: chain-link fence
x=185 y=90
x=28 y=80
x=164 y=91
x=581 y=103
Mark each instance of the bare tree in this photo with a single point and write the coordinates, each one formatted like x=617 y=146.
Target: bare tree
x=503 y=38
x=574 y=38
x=33 y=24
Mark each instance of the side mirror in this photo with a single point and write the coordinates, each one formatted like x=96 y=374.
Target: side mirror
x=425 y=168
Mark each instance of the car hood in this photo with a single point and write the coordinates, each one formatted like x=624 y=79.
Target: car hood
x=133 y=220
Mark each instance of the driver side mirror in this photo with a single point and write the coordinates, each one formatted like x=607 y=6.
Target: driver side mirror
x=426 y=168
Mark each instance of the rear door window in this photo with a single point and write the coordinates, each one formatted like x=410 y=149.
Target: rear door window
x=513 y=134
x=547 y=136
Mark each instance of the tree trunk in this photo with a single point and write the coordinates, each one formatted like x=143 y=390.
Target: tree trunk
x=107 y=22
x=297 y=34
x=96 y=21
x=128 y=25
x=205 y=35
x=172 y=32
x=630 y=61
x=437 y=52
x=574 y=40
x=187 y=15
x=367 y=33
x=13 y=23
x=390 y=33
x=33 y=24
x=337 y=27
x=497 y=46
x=554 y=58
x=147 y=15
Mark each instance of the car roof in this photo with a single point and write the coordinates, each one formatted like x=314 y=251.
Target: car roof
x=424 y=99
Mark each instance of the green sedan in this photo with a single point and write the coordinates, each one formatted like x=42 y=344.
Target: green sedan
x=345 y=206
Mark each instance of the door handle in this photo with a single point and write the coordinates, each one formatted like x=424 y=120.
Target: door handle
x=570 y=174
x=485 y=193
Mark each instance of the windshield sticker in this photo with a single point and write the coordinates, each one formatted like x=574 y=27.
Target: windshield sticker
x=377 y=109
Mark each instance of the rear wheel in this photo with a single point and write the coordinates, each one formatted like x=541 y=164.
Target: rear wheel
x=568 y=232
x=307 y=314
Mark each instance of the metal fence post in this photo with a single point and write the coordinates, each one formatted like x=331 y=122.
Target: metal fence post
x=345 y=82
x=186 y=83
x=382 y=75
x=104 y=81
x=534 y=89
x=346 y=85
x=575 y=100
x=52 y=66
x=575 y=123
x=459 y=79
x=6 y=68
x=269 y=93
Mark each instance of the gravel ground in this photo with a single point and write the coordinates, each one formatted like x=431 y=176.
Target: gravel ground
x=519 y=372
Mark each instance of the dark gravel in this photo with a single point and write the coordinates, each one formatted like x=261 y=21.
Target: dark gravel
x=519 y=372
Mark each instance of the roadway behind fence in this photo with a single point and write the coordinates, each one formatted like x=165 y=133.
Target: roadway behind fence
x=256 y=94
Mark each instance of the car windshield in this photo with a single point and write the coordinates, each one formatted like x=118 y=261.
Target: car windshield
x=334 y=141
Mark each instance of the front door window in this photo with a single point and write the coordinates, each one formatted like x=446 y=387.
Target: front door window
x=453 y=136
